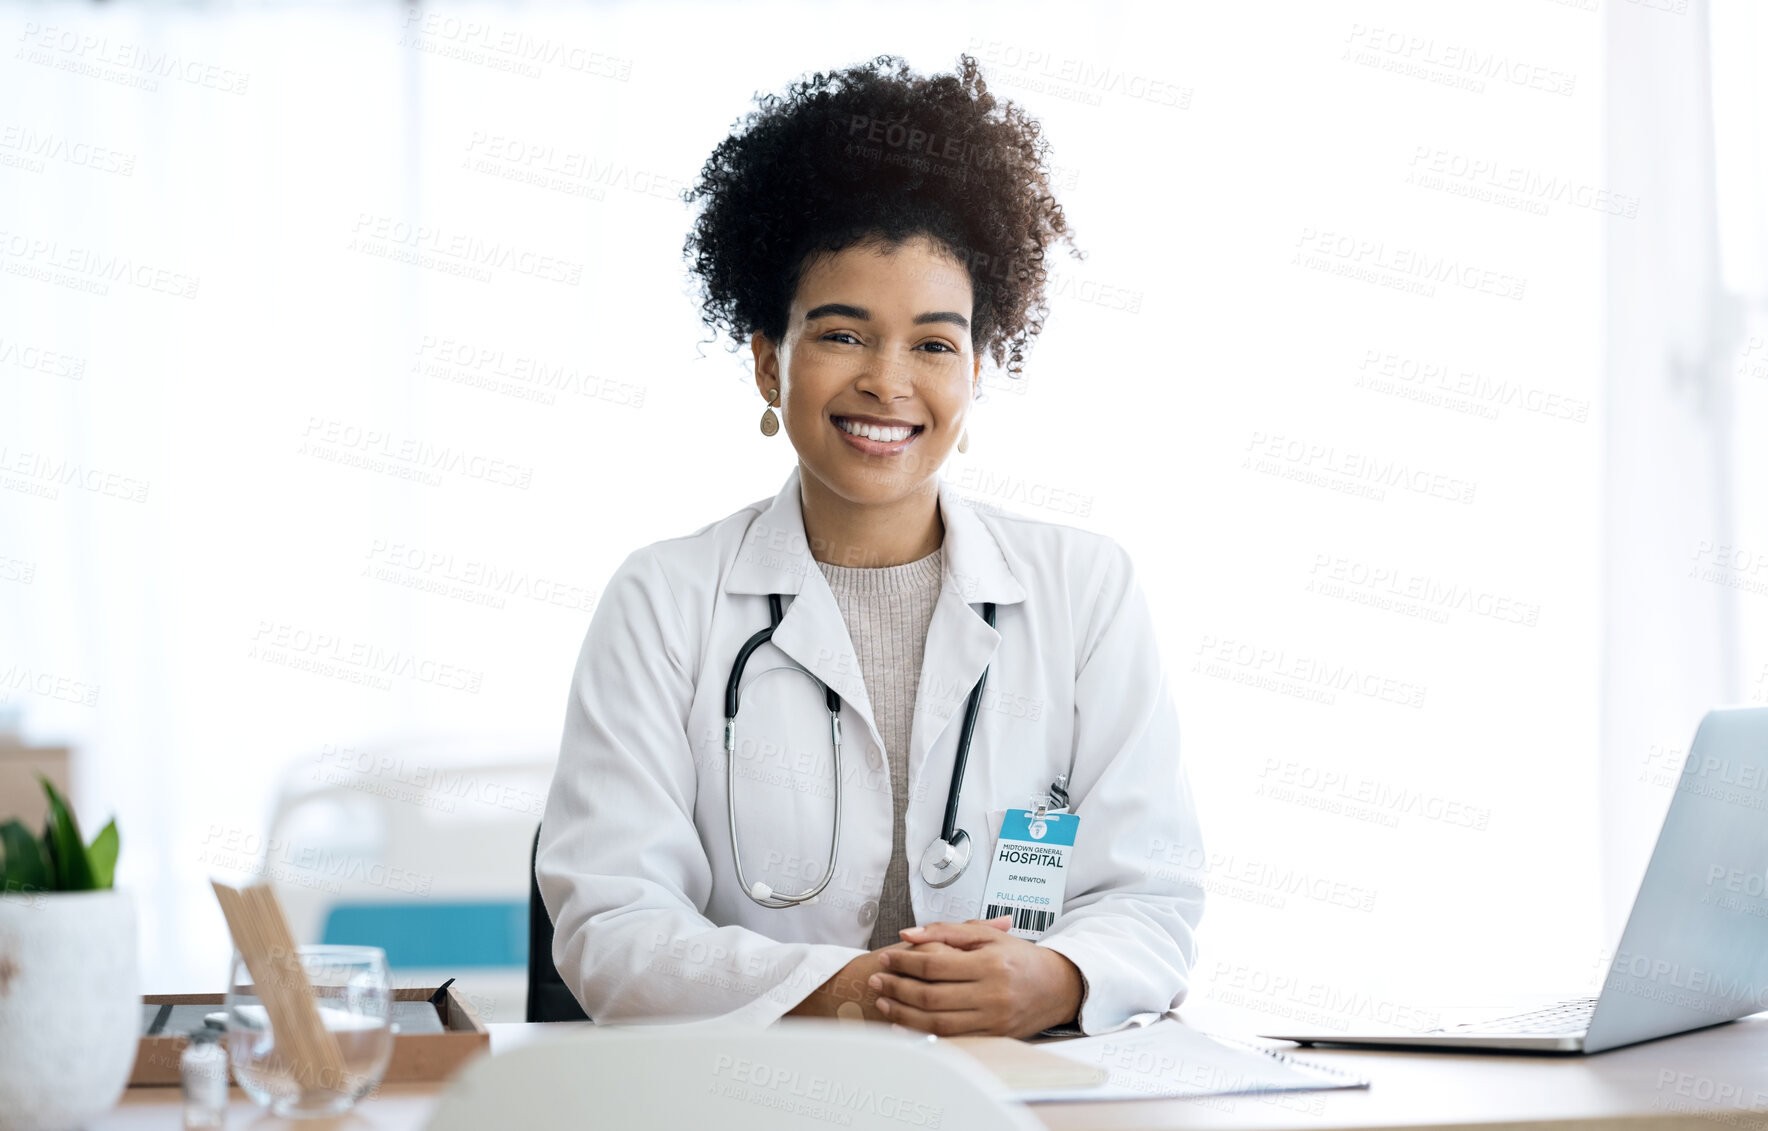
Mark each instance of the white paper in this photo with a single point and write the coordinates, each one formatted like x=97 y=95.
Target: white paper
x=1169 y=1059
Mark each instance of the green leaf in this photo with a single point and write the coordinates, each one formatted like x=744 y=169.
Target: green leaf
x=101 y=856
x=24 y=868
x=68 y=855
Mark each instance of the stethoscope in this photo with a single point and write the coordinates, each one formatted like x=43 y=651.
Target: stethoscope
x=945 y=859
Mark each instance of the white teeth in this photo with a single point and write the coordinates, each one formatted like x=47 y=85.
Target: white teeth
x=876 y=432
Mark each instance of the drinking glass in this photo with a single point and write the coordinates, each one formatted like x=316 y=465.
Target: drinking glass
x=349 y=986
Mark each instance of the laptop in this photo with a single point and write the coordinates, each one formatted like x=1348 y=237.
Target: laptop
x=1695 y=949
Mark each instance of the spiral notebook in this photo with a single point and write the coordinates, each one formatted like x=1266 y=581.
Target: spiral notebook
x=1168 y=1060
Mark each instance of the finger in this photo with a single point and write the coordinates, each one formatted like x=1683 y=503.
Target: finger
x=948 y=1023
x=963 y=935
x=905 y=947
x=930 y=996
x=935 y=963
x=999 y=922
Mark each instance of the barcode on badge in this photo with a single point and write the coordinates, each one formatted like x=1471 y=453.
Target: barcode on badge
x=1024 y=918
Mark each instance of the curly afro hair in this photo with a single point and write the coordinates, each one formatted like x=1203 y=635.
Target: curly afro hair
x=875 y=154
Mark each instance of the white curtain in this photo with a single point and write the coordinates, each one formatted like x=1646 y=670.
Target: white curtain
x=1673 y=623
x=1740 y=120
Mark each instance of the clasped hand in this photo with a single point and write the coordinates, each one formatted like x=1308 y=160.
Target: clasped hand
x=957 y=979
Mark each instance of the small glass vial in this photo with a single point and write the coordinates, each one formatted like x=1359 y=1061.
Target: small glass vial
x=203 y=1068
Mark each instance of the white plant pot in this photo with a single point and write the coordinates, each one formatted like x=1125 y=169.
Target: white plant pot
x=70 y=1006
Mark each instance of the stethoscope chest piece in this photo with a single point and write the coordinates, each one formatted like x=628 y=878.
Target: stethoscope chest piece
x=944 y=862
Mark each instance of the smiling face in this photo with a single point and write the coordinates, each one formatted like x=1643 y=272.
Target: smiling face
x=876 y=369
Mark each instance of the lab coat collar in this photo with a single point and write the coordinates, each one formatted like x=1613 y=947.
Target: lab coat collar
x=775 y=558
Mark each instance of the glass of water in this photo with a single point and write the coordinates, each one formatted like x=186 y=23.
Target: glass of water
x=320 y=1074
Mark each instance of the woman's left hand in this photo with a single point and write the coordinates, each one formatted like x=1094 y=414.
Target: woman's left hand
x=975 y=978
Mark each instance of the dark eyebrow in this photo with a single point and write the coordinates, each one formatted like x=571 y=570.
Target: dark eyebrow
x=839 y=310
x=951 y=316
x=846 y=310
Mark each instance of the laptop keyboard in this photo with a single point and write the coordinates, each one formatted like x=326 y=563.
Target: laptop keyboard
x=1562 y=1018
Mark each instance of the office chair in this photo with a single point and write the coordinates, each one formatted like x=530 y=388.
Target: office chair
x=549 y=999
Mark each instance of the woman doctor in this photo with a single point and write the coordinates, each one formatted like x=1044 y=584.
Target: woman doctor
x=870 y=236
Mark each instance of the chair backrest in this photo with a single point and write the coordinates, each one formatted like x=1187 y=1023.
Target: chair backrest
x=426 y=817
x=549 y=998
x=793 y=1076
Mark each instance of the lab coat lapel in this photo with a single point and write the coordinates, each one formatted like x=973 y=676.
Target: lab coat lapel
x=776 y=558
x=960 y=643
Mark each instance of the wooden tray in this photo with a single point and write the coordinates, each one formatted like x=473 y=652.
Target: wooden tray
x=416 y=1056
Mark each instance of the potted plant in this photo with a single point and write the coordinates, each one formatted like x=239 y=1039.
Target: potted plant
x=70 y=1000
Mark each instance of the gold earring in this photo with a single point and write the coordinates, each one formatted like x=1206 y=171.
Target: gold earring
x=964 y=441
x=770 y=423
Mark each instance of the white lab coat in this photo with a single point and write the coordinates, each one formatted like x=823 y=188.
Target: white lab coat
x=635 y=862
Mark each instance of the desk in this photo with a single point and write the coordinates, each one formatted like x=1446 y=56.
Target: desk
x=1707 y=1080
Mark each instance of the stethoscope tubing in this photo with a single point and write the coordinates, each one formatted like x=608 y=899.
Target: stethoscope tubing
x=950 y=838
x=948 y=829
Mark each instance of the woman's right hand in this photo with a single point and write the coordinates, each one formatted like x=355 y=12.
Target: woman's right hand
x=846 y=995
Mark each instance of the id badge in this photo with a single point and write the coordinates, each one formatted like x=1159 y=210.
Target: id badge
x=1029 y=872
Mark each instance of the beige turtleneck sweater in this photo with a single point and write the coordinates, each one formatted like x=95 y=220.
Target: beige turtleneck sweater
x=887 y=610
